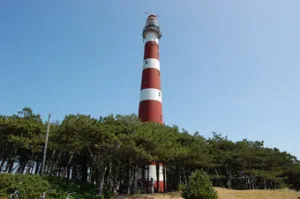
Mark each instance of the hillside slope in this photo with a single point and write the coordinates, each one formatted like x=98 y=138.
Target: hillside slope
x=257 y=194
x=232 y=194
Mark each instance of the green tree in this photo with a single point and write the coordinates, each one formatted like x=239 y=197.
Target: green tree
x=112 y=149
x=199 y=187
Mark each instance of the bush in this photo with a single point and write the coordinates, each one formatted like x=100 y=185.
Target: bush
x=29 y=186
x=32 y=187
x=199 y=187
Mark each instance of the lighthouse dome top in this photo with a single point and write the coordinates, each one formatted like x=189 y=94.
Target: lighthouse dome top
x=152 y=25
x=152 y=21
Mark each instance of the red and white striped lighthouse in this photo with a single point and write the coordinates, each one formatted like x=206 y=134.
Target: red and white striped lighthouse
x=150 y=107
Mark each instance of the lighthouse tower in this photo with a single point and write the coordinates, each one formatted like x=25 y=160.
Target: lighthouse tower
x=150 y=106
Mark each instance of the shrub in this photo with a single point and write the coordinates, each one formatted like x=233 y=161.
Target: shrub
x=29 y=186
x=199 y=187
x=32 y=186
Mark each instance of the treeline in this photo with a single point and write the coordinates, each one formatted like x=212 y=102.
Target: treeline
x=108 y=151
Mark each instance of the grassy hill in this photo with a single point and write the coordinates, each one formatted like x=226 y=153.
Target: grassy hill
x=232 y=194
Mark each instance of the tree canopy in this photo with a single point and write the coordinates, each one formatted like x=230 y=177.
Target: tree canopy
x=109 y=149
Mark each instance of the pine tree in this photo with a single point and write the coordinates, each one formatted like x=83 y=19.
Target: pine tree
x=199 y=187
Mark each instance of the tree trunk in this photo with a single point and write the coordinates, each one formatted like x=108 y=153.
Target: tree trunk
x=218 y=178
x=68 y=164
x=51 y=161
x=68 y=173
x=229 y=177
x=37 y=165
x=184 y=175
x=29 y=164
x=53 y=167
x=101 y=179
x=84 y=174
x=132 y=186
x=7 y=164
x=21 y=167
x=2 y=163
x=178 y=176
x=164 y=176
x=129 y=175
x=96 y=176
x=11 y=165
x=157 y=176
x=59 y=172
x=84 y=170
x=28 y=167
x=120 y=175
x=109 y=175
x=74 y=172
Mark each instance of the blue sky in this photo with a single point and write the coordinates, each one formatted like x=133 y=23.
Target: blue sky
x=230 y=66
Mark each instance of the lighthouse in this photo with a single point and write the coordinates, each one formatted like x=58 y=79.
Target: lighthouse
x=150 y=106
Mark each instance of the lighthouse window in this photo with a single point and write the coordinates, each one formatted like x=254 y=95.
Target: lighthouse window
x=145 y=82
x=158 y=72
x=146 y=62
x=158 y=93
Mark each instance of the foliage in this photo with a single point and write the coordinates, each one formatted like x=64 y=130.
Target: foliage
x=199 y=187
x=29 y=186
x=32 y=186
x=105 y=152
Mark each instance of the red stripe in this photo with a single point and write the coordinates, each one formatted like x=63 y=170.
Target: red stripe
x=153 y=163
x=161 y=185
x=150 y=78
x=150 y=111
x=151 y=50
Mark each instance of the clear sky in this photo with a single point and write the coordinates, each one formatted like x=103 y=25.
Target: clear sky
x=229 y=66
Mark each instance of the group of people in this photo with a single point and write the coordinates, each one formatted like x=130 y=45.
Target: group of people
x=146 y=186
x=143 y=186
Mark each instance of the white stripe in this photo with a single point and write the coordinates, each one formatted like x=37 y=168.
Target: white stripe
x=161 y=173
x=151 y=63
x=152 y=172
x=151 y=36
x=150 y=94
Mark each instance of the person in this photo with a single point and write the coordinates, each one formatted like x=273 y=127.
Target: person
x=140 y=184
x=152 y=185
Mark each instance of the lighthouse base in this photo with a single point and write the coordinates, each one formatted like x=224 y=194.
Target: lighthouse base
x=154 y=177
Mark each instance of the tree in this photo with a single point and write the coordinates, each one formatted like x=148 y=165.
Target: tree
x=111 y=150
x=199 y=187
